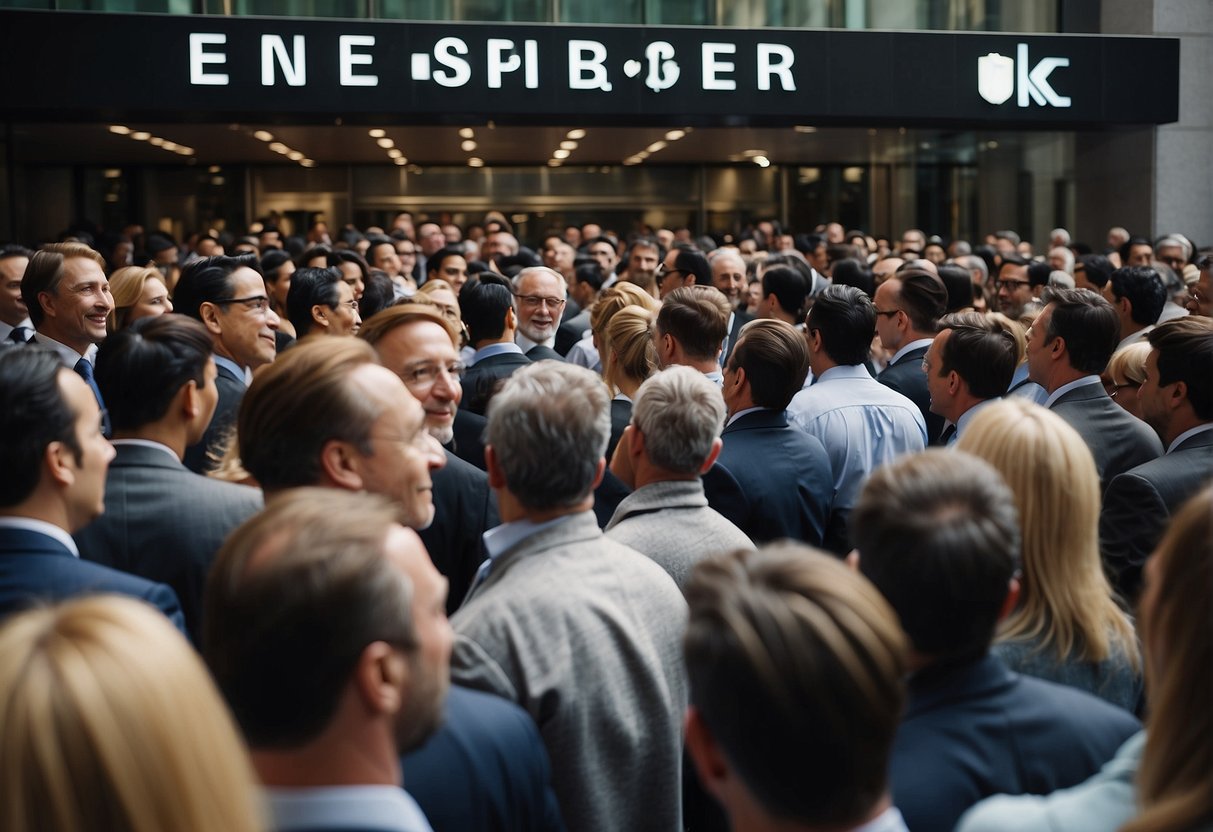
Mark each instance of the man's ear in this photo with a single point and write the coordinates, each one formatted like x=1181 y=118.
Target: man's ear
x=209 y=313
x=60 y=463
x=1008 y=603
x=382 y=679
x=188 y=401
x=320 y=315
x=705 y=753
x=1179 y=395
x=636 y=440
x=717 y=444
x=493 y=468
x=339 y=465
x=954 y=382
x=47 y=301
x=1058 y=348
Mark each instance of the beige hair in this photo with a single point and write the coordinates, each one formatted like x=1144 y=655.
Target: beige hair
x=1018 y=331
x=126 y=285
x=1173 y=783
x=110 y=722
x=615 y=298
x=1066 y=601
x=1129 y=363
x=627 y=347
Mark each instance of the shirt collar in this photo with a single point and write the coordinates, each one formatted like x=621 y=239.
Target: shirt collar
x=499 y=348
x=716 y=377
x=499 y=540
x=526 y=344
x=6 y=330
x=389 y=808
x=1188 y=434
x=67 y=355
x=968 y=415
x=146 y=443
x=29 y=524
x=1073 y=385
x=741 y=413
x=240 y=372
x=842 y=371
x=910 y=347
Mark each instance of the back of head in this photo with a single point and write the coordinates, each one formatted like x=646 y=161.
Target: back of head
x=680 y=412
x=698 y=319
x=980 y=351
x=795 y=666
x=1087 y=323
x=846 y=319
x=1098 y=268
x=209 y=280
x=548 y=428
x=1144 y=289
x=45 y=271
x=923 y=296
x=938 y=534
x=690 y=260
x=1185 y=353
x=788 y=287
x=311 y=287
x=483 y=303
x=33 y=414
x=627 y=348
x=775 y=358
x=378 y=294
x=853 y=273
x=617 y=297
x=959 y=286
x=141 y=368
x=111 y=722
x=298 y=404
x=294 y=596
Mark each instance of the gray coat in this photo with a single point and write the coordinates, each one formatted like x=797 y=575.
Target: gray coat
x=672 y=523
x=585 y=634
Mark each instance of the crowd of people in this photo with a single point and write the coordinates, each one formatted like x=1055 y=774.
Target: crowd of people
x=420 y=528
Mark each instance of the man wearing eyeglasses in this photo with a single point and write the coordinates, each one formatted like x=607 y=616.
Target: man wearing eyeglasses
x=539 y=293
x=1015 y=290
x=227 y=294
x=1200 y=295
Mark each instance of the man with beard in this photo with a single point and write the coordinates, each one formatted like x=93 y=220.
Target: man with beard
x=540 y=296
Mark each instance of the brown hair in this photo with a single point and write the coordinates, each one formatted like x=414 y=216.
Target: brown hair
x=45 y=271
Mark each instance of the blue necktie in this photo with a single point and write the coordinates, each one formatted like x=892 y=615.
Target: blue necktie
x=20 y=334
x=85 y=370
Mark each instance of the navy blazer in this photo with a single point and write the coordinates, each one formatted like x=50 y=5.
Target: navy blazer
x=974 y=729
x=908 y=379
x=468 y=440
x=1138 y=505
x=481 y=379
x=1117 y=440
x=464 y=509
x=484 y=769
x=36 y=568
x=541 y=353
x=784 y=476
x=231 y=393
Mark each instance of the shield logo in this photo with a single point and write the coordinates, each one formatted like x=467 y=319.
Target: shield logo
x=995 y=77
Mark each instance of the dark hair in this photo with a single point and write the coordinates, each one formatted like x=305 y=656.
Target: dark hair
x=789 y=288
x=956 y=280
x=311 y=287
x=344 y=255
x=271 y=262
x=590 y=274
x=938 y=534
x=1009 y=260
x=980 y=351
x=1185 y=353
x=1125 y=250
x=690 y=260
x=698 y=319
x=846 y=319
x=14 y=251
x=849 y=272
x=1144 y=288
x=775 y=358
x=1087 y=323
x=483 y=304
x=209 y=280
x=141 y=368
x=1098 y=268
x=33 y=414
x=922 y=296
x=1038 y=274
x=643 y=242
x=318 y=250
x=434 y=262
x=45 y=271
x=378 y=293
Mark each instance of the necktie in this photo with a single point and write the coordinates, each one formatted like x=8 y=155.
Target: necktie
x=85 y=370
x=20 y=334
x=948 y=437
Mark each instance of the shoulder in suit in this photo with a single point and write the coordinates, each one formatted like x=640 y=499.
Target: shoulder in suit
x=231 y=392
x=1118 y=440
x=464 y=509
x=468 y=441
x=481 y=379
x=542 y=353
x=740 y=319
x=908 y=379
x=571 y=331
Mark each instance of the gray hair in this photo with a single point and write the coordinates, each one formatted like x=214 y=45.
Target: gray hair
x=548 y=428
x=974 y=263
x=1061 y=236
x=1185 y=245
x=680 y=414
x=1067 y=257
x=516 y=282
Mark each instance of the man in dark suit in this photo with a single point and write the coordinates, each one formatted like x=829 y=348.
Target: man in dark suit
x=783 y=472
x=487 y=306
x=729 y=276
x=908 y=307
x=15 y=325
x=228 y=295
x=968 y=366
x=419 y=345
x=1069 y=345
x=938 y=535
x=1176 y=400
x=54 y=460
x=585 y=288
x=541 y=298
x=162 y=521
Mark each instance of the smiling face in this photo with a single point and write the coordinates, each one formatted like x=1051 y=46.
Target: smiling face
x=245 y=331
x=76 y=311
x=422 y=354
x=152 y=302
x=352 y=274
x=538 y=321
x=728 y=275
x=344 y=318
x=12 y=307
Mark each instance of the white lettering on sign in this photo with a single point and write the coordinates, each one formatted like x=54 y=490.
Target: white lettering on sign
x=499 y=64
x=768 y=67
x=663 y=69
x=588 y=56
x=294 y=70
x=348 y=59
x=446 y=53
x=712 y=68
x=1036 y=82
x=998 y=77
x=199 y=58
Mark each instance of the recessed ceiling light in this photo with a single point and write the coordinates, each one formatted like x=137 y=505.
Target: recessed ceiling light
x=385 y=142
x=170 y=146
x=377 y=133
x=263 y=136
x=750 y=154
x=395 y=153
x=466 y=132
x=141 y=136
x=155 y=141
x=468 y=146
x=655 y=146
x=307 y=163
x=675 y=135
x=401 y=161
x=120 y=129
x=560 y=154
x=554 y=163
x=475 y=162
x=568 y=145
x=294 y=155
x=804 y=128
x=214 y=169
x=576 y=134
x=278 y=147
x=762 y=161
x=185 y=151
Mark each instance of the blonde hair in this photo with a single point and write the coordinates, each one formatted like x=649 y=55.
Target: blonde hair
x=1129 y=364
x=1173 y=783
x=1066 y=601
x=126 y=285
x=627 y=347
x=615 y=298
x=1018 y=332
x=111 y=723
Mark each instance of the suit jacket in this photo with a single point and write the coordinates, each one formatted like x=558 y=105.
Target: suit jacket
x=784 y=475
x=908 y=379
x=1117 y=440
x=585 y=634
x=481 y=379
x=165 y=523
x=542 y=353
x=464 y=508
x=484 y=770
x=231 y=392
x=571 y=331
x=740 y=319
x=973 y=729
x=468 y=440
x=35 y=568
x=1138 y=505
x=621 y=417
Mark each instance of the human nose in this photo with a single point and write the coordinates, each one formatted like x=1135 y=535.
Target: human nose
x=435 y=456
x=271 y=318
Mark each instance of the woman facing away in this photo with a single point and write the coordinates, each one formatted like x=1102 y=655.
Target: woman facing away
x=1067 y=626
x=629 y=359
x=110 y=723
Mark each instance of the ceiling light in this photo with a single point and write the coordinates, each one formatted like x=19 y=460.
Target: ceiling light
x=675 y=135
x=170 y=146
x=475 y=162
x=401 y=161
x=803 y=128
x=554 y=163
x=762 y=161
x=278 y=147
x=642 y=155
x=185 y=151
x=294 y=155
x=120 y=129
x=560 y=154
x=655 y=146
x=576 y=134
x=155 y=141
x=468 y=146
x=385 y=142
x=307 y=163
x=568 y=145
x=141 y=136
x=377 y=133
x=395 y=153
x=466 y=132
x=263 y=136
x=214 y=169
x=751 y=154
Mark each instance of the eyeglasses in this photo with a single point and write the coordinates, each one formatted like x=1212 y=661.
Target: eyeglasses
x=662 y=271
x=424 y=375
x=1113 y=389
x=255 y=303
x=1011 y=285
x=887 y=312
x=536 y=301
x=349 y=304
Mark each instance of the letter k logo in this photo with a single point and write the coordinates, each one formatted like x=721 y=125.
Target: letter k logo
x=1035 y=83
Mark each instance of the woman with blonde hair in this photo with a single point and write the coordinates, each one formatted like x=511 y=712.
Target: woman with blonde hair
x=1125 y=374
x=587 y=351
x=629 y=359
x=138 y=292
x=110 y=722
x=1067 y=626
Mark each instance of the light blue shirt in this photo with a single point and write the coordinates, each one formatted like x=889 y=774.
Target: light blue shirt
x=500 y=539
x=500 y=348
x=967 y=417
x=389 y=808
x=67 y=355
x=1029 y=390
x=1072 y=385
x=862 y=423
x=585 y=354
x=238 y=371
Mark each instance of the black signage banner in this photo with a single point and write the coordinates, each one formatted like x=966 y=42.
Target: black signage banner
x=88 y=66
